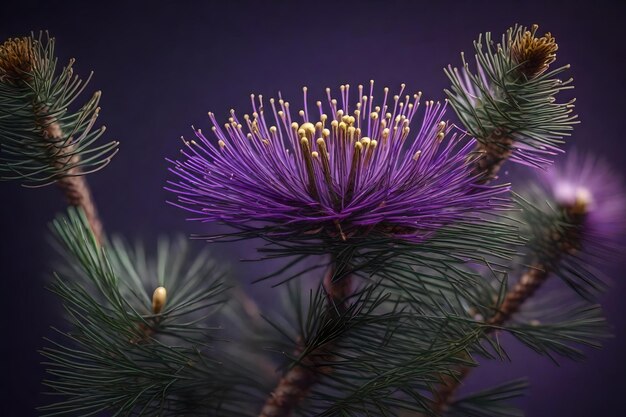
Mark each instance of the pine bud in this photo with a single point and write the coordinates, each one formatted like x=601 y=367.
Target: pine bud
x=534 y=55
x=17 y=59
x=158 y=300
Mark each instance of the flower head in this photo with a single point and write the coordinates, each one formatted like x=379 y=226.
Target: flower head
x=334 y=170
x=574 y=215
x=585 y=187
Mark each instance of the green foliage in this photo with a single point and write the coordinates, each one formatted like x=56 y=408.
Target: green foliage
x=384 y=355
x=44 y=135
x=491 y=402
x=560 y=327
x=120 y=357
x=542 y=219
x=497 y=100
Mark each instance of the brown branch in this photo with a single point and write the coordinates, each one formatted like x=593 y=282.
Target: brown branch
x=296 y=384
x=73 y=184
x=524 y=289
x=492 y=154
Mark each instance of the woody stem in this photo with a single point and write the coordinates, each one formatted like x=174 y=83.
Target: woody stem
x=296 y=384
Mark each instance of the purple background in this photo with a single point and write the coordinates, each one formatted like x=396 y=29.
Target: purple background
x=161 y=68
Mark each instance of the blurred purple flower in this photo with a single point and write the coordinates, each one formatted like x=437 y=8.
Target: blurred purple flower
x=334 y=170
x=585 y=185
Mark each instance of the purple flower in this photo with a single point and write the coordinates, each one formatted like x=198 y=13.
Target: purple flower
x=585 y=185
x=333 y=170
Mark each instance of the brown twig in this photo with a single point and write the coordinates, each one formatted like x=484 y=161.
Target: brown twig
x=524 y=289
x=296 y=384
x=492 y=154
x=73 y=183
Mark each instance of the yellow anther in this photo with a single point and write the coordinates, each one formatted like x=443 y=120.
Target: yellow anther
x=221 y=143
x=314 y=154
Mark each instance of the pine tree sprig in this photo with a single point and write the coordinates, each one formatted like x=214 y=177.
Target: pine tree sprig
x=123 y=356
x=508 y=102
x=42 y=140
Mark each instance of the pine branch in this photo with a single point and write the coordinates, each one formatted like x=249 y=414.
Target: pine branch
x=509 y=102
x=294 y=386
x=364 y=360
x=41 y=140
x=556 y=236
x=108 y=362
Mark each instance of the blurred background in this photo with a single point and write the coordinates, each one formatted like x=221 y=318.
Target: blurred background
x=162 y=66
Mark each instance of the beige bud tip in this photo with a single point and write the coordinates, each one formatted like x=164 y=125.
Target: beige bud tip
x=440 y=136
x=365 y=140
x=358 y=146
x=314 y=154
x=294 y=126
x=442 y=125
x=304 y=141
x=416 y=156
x=301 y=132
x=326 y=132
x=374 y=115
x=273 y=129
x=373 y=143
x=334 y=123
x=320 y=142
x=221 y=143
x=301 y=113
x=159 y=297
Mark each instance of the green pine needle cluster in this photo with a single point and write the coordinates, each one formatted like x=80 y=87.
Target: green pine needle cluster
x=46 y=133
x=506 y=107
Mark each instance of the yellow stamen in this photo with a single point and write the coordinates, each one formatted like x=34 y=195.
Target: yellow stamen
x=306 y=152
